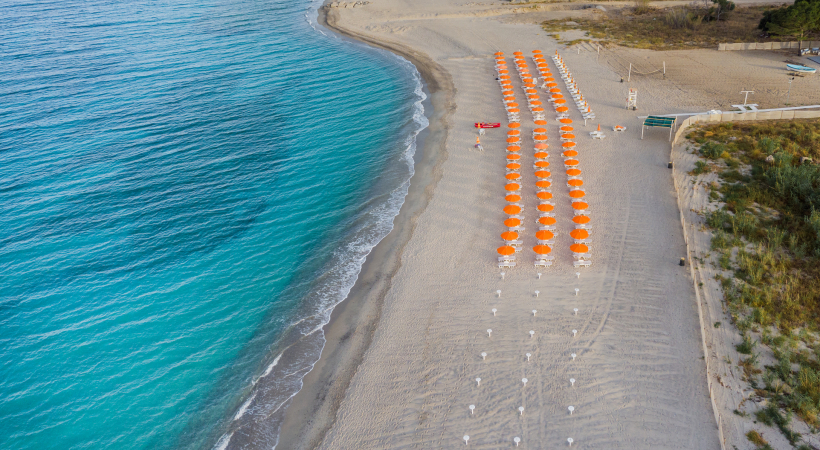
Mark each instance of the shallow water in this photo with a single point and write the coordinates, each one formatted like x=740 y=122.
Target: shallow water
x=186 y=188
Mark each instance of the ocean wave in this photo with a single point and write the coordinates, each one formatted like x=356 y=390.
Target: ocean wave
x=260 y=416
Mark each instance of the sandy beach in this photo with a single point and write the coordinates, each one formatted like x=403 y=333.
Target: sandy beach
x=404 y=350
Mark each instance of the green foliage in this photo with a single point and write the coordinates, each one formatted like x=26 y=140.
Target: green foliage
x=712 y=150
x=721 y=8
x=772 y=416
x=746 y=346
x=796 y=20
x=755 y=438
x=700 y=168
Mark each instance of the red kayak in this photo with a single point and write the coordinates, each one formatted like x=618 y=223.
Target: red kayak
x=487 y=125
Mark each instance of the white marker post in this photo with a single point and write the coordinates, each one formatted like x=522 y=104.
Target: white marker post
x=534 y=311
x=536 y=293
x=524 y=380
x=516 y=440
x=571 y=381
x=576 y=311
x=466 y=439
x=528 y=356
x=521 y=410
x=570 y=441
x=532 y=333
x=570 y=408
x=576 y=291
x=574 y=332
x=484 y=356
x=478 y=382
x=502 y=275
x=577 y=274
x=494 y=311
x=490 y=332
x=472 y=409
x=573 y=356
x=499 y=293
x=539 y=276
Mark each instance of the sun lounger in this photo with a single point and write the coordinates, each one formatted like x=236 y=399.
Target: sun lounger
x=547 y=214
x=547 y=227
x=506 y=264
x=542 y=263
x=586 y=242
x=582 y=263
x=506 y=258
x=583 y=226
x=515 y=243
x=549 y=242
x=579 y=256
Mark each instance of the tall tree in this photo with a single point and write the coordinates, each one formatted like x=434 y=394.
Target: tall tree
x=796 y=20
x=723 y=7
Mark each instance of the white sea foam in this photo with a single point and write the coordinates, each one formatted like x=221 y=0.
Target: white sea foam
x=346 y=264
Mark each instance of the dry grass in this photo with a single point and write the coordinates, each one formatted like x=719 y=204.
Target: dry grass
x=668 y=28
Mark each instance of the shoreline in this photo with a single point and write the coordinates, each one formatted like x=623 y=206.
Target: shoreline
x=348 y=334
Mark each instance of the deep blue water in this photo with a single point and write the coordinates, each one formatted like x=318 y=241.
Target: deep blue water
x=186 y=189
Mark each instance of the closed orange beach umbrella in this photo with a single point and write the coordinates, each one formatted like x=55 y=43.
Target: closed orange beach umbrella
x=579 y=205
x=561 y=109
x=539 y=130
x=506 y=250
x=513 y=198
x=579 y=248
x=566 y=128
x=542 y=174
x=543 y=184
x=568 y=144
x=540 y=122
x=544 y=195
x=545 y=207
x=514 y=133
x=577 y=194
x=512 y=222
x=512 y=187
x=512 y=209
x=542 y=164
x=544 y=235
x=542 y=155
x=571 y=162
x=575 y=183
x=541 y=146
x=513 y=166
x=509 y=235
x=570 y=153
x=513 y=125
x=542 y=249
x=574 y=172
x=579 y=234
x=512 y=176
x=547 y=220
x=565 y=121
x=581 y=219
x=513 y=157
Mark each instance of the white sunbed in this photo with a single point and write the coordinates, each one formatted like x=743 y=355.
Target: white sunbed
x=579 y=256
x=543 y=263
x=506 y=264
x=582 y=263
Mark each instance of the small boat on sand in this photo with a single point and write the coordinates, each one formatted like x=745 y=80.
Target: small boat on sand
x=799 y=68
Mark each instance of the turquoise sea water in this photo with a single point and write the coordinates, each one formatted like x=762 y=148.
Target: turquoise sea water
x=186 y=189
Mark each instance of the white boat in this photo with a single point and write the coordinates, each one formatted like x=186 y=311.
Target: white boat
x=799 y=68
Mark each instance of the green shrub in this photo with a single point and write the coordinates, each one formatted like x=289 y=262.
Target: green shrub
x=746 y=346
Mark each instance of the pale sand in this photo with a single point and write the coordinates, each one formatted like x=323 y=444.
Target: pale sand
x=641 y=379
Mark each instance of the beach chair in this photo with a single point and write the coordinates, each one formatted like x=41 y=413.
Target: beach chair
x=547 y=214
x=517 y=228
x=581 y=212
x=583 y=226
x=580 y=256
x=548 y=242
x=586 y=242
x=577 y=177
x=582 y=263
x=547 y=227
x=515 y=243
x=506 y=258
x=506 y=264
x=543 y=263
